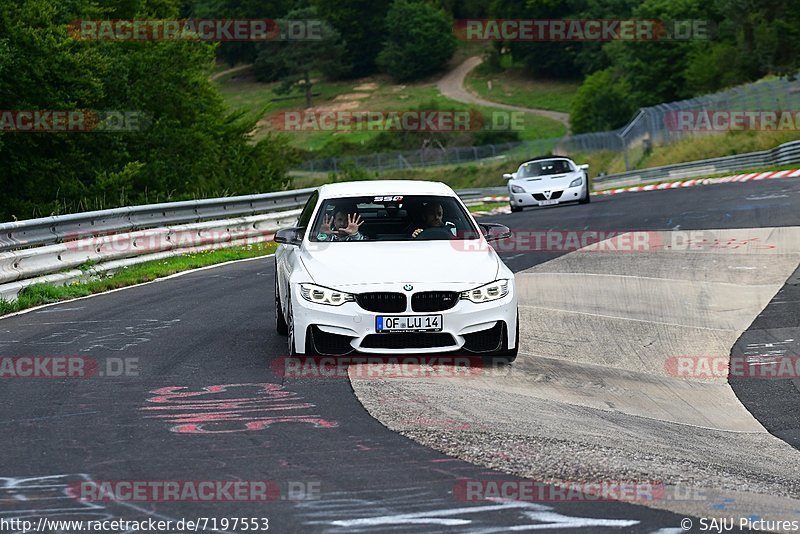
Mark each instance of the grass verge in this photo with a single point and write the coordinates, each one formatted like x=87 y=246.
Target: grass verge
x=691 y=149
x=487 y=206
x=513 y=87
x=39 y=294
x=769 y=168
x=375 y=93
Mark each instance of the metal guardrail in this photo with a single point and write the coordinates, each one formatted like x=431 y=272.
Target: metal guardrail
x=65 y=248
x=784 y=154
x=58 y=228
x=50 y=248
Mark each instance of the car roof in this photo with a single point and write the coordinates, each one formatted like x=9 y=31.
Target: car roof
x=545 y=158
x=385 y=187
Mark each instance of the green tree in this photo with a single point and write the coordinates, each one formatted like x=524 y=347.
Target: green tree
x=656 y=70
x=361 y=25
x=292 y=62
x=419 y=40
x=233 y=52
x=193 y=146
x=602 y=103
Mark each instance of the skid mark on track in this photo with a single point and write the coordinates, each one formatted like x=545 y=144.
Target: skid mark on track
x=256 y=408
x=480 y=518
x=85 y=336
x=50 y=497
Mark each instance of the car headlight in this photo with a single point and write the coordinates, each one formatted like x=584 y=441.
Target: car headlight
x=324 y=295
x=517 y=189
x=576 y=182
x=486 y=293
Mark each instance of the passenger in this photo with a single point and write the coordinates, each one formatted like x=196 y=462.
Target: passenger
x=341 y=227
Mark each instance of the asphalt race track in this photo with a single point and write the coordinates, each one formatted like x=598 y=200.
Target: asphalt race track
x=215 y=328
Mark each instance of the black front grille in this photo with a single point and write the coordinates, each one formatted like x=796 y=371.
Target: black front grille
x=433 y=301
x=407 y=340
x=328 y=344
x=554 y=196
x=383 y=302
x=486 y=340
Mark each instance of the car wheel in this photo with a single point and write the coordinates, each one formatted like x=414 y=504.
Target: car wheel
x=515 y=209
x=280 y=321
x=587 y=198
x=290 y=328
x=505 y=355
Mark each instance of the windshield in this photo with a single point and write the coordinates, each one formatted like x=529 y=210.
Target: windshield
x=544 y=168
x=392 y=218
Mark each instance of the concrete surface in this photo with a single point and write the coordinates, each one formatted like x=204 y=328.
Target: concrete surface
x=592 y=396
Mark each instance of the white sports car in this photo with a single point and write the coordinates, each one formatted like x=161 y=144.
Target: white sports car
x=393 y=267
x=548 y=181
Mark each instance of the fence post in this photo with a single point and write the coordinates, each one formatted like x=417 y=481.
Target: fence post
x=625 y=152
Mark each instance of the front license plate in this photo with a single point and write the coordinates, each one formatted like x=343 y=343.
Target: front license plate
x=408 y=323
x=548 y=202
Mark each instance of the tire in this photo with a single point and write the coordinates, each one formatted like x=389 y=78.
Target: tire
x=588 y=197
x=280 y=321
x=290 y=329
x=505 y=355
x=292 y=347
x=515 y=209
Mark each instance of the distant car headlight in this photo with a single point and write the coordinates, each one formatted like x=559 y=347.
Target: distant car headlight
x=576 y=182
x=324 y=295
x=517 y=189
x=487 y=293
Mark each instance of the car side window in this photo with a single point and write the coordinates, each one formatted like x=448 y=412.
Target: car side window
x=305 y=216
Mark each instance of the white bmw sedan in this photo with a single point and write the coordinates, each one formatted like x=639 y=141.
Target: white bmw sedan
x=546 y=182
x=393 y=267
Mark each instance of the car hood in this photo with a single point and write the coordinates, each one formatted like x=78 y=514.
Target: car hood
x=545 y=183
x=357 y=263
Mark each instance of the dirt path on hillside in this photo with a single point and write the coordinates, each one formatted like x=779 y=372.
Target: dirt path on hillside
x=222 y=73
x=452 y=86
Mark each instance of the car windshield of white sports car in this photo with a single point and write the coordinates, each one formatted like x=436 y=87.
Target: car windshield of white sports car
x=544 y=168
x=392 y=218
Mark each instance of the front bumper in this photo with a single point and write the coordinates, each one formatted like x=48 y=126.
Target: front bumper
x=527 y=199
x=349 y=328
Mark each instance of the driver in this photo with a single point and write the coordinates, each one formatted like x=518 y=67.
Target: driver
x=432 y=216
x=341 y=227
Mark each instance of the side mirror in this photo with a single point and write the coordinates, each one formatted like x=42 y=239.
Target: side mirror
x=494 y=231
x=511 y=176
x=584 y=167
x=289 y=236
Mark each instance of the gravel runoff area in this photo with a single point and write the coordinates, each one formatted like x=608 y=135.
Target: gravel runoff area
x=596 y=404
